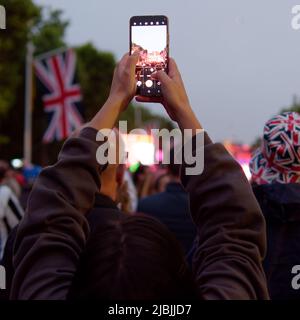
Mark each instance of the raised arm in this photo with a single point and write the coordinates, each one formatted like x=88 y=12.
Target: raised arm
x=231 y=228
x=54 y=230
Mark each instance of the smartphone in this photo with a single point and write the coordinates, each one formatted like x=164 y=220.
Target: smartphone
x=149 y=36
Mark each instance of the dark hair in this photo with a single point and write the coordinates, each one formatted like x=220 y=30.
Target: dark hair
x=140 y=170
x=132 y=258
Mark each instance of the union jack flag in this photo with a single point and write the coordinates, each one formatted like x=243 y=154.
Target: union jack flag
x=278 y=159
x=61 y=94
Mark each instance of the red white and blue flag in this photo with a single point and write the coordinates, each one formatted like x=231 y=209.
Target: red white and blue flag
x=61 y=94
x=278 y=158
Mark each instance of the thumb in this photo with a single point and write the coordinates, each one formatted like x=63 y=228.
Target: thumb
x=162 y=77
x=132 y=60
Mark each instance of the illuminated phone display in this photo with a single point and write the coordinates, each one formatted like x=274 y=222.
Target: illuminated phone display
x=149 y=37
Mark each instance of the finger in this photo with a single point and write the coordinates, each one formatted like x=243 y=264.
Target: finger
x=132 y=61
x=124 y=59
x=127 y=59
x=154 y=76
x=128 y=63
x=162 y=77
x=121 y=63
x=135 y=53
x=173 y=69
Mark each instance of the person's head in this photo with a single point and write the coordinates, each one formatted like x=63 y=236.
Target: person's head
x=161 y=182
x=278 y=158
x=139 y=175
x=113 y=176
x=134 y=257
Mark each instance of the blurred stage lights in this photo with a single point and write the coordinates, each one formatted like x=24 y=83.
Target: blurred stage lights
x=16 y=163
x=140 y=148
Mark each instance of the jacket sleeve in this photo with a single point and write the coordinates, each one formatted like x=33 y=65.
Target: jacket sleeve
x=231 y=229
x=54 y=230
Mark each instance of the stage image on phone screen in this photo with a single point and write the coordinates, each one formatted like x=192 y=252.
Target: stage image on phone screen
x=149 y=39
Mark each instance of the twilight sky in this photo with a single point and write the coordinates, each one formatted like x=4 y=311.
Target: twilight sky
x=239 y=59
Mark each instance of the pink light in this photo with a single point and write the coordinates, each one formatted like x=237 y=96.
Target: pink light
x=159 y=156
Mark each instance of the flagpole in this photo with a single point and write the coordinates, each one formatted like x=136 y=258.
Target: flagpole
x=28 y=105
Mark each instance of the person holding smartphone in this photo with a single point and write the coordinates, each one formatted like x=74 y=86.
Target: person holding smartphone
x=137 y=257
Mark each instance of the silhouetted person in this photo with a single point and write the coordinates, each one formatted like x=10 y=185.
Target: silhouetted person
x=57 y=255
x=171 y=207
x=11 y=211
x=275 y=169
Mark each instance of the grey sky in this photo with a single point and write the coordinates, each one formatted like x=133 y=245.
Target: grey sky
x=240 y=59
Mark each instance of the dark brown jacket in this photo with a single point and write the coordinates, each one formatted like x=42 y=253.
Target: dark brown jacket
x=53 y=233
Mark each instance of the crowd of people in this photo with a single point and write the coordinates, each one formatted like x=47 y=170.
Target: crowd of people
x=94 y=231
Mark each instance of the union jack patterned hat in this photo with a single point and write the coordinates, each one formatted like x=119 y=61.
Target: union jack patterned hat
x=278 y=158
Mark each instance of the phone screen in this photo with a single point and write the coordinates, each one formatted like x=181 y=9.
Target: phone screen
x=149 y=37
